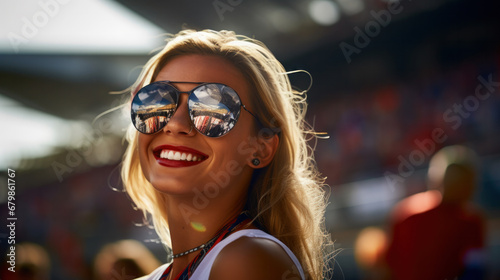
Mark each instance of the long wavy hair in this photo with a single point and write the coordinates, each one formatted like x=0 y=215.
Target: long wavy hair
x=287 y=197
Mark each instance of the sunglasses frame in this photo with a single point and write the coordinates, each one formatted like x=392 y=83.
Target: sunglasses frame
x=170 y=83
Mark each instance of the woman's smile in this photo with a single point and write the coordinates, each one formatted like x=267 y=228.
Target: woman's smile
x=178 y=156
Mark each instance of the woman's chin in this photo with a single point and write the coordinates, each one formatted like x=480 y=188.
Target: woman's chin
x=173 y=187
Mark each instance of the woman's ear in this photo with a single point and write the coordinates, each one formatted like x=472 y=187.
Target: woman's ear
x=265 y=148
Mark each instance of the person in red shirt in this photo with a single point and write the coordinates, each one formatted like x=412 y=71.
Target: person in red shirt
x=438 y=234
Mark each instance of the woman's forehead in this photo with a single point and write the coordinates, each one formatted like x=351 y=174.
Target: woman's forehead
x=202 y=68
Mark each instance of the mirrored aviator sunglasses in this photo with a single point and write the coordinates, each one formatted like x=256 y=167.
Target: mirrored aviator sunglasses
x=213 y=108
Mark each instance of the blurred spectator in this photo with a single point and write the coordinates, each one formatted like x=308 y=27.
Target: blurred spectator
x=124 y=260
x=369 y=251
x=438 y=234
x=32 y=263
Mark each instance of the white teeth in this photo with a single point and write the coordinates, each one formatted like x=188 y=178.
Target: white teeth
x=170 y=155
x=175 y=155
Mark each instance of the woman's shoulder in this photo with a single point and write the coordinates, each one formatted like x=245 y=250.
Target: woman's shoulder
x=245 y=254
x=254 y=254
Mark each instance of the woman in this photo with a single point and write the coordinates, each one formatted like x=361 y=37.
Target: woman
x=218 y=157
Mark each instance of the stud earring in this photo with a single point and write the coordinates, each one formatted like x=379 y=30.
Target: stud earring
x=255 y=161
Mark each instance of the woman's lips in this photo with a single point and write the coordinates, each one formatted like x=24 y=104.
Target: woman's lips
x=178 y=156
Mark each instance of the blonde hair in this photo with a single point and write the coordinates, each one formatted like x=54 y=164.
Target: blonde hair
x=287 y=196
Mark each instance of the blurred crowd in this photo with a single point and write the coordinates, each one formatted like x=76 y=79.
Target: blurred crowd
x=69 y=230
x=371 y=130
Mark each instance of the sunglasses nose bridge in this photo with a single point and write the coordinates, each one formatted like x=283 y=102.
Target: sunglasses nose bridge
x=180 y=121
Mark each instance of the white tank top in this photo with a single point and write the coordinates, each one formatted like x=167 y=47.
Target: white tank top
x=202 y=272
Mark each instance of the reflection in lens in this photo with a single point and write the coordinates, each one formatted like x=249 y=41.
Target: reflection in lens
x=154 y=124
x=209 y=94
x=214 y=109
x=153 y=106
x=211 y=126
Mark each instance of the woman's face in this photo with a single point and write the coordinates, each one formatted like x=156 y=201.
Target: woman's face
x=225 y=161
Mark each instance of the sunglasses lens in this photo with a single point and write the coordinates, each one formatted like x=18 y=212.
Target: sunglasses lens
x=214 y=109
x=153 y=106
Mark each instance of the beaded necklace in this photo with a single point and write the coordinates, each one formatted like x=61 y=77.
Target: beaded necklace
x=194 y=249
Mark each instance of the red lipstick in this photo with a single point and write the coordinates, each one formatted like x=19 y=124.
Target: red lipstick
x=178 y=156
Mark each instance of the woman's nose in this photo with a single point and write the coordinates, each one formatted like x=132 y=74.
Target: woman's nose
x=180 y=123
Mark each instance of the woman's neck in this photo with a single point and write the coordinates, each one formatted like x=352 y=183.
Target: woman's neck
x=191 y=225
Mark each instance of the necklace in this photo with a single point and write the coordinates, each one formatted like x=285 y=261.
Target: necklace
x=237 y=221
x=193 y=249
